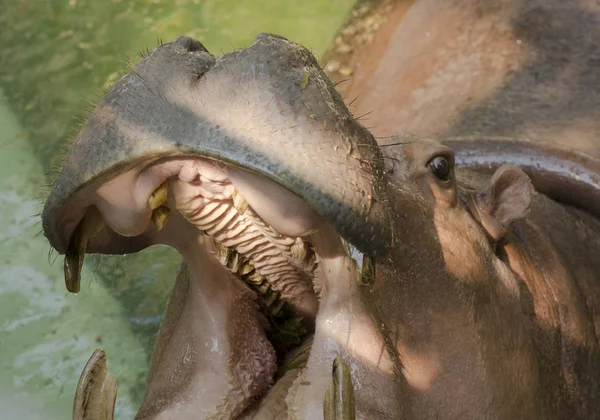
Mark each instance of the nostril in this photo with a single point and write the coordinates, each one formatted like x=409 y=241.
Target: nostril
x=190 y=44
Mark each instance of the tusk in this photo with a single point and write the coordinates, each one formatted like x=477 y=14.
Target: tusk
x=96 y=391
x=89 y=226
x=338 y=403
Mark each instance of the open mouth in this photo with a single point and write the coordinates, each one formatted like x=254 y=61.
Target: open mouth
x=251 y=166
x=257 y=258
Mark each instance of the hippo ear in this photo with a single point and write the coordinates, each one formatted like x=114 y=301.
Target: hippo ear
x=506 y=199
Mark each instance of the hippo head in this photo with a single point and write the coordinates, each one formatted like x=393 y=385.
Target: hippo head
x=303 y=243
x=251 y=166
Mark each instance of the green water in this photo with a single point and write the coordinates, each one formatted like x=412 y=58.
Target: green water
x=57 y=57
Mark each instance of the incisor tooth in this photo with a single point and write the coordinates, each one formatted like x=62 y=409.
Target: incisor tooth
x=88 y=227
x=159 y=196
x=160 y=217
x=239 y=202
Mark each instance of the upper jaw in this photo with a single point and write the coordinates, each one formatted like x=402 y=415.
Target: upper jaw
x=268 y=108
x=253 y=109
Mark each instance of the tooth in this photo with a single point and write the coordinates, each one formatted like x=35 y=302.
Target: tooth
x=159 y=196
x=263 y=288
x=96 y=391
x=239 y=202
x=234 y=262
x=270 y=298
x=245 y=269
x=89 y=226
x=277 y=308
x=160 y=217
x=367 y=274
x=223 y=253
x=255 y=278
x=299 y=250
x=338 y=403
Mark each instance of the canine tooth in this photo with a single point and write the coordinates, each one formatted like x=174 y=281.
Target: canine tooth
x=88 y=227
x=239 y=202
x=299 y=250
x=96 y=391
x=338 y=403
x=160 y=217
x=159 y=196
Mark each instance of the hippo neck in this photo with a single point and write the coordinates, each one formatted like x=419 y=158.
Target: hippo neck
x=565 y=176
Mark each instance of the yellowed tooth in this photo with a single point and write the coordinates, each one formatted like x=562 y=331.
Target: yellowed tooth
x=254 y=277
x=299 y=250
x=367 y=274
x=222 y=253
x=263 y=287
x=159 y=196
x=239 y=202
x=271 y=297
x=245 y=269
x=160 y=217
x=234 y=262
x=88 y=227
x=274 y=311
x=338 y=403
x=96 y=391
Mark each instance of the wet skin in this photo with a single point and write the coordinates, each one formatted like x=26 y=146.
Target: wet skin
x=483 y=300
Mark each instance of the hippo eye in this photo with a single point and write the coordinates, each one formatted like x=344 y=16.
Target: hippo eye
x=440 y=167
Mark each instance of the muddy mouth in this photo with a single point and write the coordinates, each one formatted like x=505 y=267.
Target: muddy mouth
x=258 y=252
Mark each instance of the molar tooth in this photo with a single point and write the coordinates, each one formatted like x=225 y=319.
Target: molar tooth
x=299 y=250
x=264 y=287
x=234 y=261
x=160 y=217
x=274 y=311
x=245 y=269
x=255 y=278
x=239 y=202
x=88 y=227
x=223 y=253
x=270 y=298
x=159 y=196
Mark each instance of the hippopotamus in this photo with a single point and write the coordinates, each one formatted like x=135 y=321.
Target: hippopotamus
x=496 y=69
x=325 y=275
